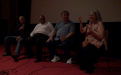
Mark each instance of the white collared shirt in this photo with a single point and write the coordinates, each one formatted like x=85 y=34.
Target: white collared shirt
x=45 y=28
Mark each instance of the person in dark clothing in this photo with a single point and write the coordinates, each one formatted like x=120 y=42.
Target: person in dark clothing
x=21 y=32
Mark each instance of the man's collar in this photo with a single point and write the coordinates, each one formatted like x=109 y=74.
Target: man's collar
x=66 y=22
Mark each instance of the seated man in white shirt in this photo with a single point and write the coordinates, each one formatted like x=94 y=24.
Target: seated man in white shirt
x=38 y=37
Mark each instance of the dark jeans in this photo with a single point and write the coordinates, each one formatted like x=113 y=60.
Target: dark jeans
x=12 y=39
x=65 y=46
x=87 y=56
x=38 y=40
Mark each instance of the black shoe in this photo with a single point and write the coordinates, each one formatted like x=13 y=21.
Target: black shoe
x=37 y=60
x=15 y=57
x=6 y=54
x=82 y=67
x=91 y=70
x=26 y=57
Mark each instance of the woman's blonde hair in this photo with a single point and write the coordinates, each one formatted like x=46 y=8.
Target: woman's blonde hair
x=97 y=14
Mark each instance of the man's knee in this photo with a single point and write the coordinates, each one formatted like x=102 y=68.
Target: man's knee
x=39 y=41
x=21 y=40
x=26 y=40
x=7 y=38
x=65 y=44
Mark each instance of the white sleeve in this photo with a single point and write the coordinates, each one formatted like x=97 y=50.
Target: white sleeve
x=33 y=32
x=51 y=28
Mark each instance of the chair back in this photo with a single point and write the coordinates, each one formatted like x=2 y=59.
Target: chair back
x=106 y=39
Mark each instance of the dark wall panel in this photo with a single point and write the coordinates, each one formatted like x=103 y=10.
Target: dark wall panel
x=24 y=8
x=3 y=29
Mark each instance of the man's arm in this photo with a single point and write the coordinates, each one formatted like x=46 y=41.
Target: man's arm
x=66 y=37
x=17 y=29
x=52 y=35
x=51 y=28
x=69 y=35
x=72 y=31
x=26 y=32
x=33 y=32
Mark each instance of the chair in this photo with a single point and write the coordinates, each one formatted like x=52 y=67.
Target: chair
x=106 y=47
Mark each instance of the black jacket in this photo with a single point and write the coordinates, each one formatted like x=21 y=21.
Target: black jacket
x=24 y=32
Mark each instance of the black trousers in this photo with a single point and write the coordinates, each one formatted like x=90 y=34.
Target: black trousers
x=38 y=40
x=87 y=56
x=65 y=46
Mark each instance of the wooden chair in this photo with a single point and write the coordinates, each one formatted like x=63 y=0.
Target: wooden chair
x=105 y=50
x=106 y=47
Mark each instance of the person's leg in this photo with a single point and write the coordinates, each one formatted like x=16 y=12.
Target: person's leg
x=67 y=50
x=82 y=56
x=89 y=54
x=79 y=53
x=40 y=42
x=7 y=42
x=52 y=47
x=18 y=49
x=28 y=44
x=19 y=46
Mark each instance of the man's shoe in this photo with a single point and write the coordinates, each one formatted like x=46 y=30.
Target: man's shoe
x=89 y=72
x=82 y=68
x=15 y=57
x=56 y=58
x=37 y=60
x=69 y=61
x=26 y=57
x=6 y=54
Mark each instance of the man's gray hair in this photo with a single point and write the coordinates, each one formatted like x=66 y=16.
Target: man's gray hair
x=21 y=17
x=42 y=16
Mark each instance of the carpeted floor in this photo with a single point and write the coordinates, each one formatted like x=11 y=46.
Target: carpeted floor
x=45 y=67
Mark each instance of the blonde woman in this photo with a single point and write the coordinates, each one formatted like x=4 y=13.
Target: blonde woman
x=88 y=51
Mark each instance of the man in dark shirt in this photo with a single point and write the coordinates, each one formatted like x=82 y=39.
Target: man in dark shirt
x=21 y=32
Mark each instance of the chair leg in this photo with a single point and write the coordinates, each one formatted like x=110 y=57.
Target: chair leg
x=108 y=64
x=44 y=51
